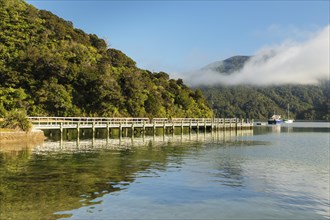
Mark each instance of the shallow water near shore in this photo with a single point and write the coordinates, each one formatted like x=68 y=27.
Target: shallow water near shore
x=272 y=172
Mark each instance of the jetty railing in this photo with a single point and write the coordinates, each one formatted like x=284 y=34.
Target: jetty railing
x=53 y=121
x=61 y=123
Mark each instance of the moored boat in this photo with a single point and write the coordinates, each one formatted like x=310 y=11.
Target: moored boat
x=287 y=120
x=275 y=119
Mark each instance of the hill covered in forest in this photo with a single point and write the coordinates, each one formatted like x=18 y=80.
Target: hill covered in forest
x=308 y=102
x=50 y=68
x=228 y=66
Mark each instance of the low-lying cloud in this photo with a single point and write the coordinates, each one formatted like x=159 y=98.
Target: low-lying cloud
x=288 y=63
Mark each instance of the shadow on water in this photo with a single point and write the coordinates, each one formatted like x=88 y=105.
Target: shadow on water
x=68 y=174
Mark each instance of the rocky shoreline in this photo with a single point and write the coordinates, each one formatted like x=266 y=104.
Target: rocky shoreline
x=21 y=136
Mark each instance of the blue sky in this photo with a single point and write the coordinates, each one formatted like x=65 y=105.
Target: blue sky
x=178 y=36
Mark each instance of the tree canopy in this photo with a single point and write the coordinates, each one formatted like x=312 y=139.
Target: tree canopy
x=50 y=68
x=307 y=102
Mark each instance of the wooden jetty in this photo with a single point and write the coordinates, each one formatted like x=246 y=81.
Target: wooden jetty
x=138 y=124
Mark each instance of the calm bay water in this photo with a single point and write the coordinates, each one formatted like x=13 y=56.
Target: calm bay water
x=272 y=172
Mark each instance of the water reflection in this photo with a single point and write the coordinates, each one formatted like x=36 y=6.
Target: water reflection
x=229 y=173
x=239 y=175
x=295 y=127
x=230 y=179
x=65 y=175
x=81 y=145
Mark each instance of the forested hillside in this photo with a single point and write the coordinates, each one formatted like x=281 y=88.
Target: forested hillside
x=50 y=68
x=228 y=66
x=307 y=102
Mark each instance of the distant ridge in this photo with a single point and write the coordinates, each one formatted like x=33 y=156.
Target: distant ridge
x=228 y=66
x=307 y=102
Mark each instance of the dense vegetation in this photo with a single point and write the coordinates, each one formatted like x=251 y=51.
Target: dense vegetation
x=308 y=102
x=17 y=120
x=228 y=66
x=50 y=68
x=305 y=102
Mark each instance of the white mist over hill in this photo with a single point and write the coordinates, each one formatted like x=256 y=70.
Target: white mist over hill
x=290 y=62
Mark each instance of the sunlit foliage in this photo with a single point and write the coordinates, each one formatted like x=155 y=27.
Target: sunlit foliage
x=50 y=68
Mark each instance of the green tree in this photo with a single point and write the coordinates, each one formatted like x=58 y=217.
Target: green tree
x=11 y=98
x=62 y=71
x=17 y=119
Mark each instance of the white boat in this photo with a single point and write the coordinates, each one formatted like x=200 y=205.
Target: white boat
x=275 y=119
x=287 y=120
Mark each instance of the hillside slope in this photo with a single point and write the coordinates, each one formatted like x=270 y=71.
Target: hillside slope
x=308 y=102
x=228 y=66
x=50 y=68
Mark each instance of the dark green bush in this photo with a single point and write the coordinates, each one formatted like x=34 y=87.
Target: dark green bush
x=17 y=119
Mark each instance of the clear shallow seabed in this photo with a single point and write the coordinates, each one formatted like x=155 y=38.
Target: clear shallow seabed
x=272 y=172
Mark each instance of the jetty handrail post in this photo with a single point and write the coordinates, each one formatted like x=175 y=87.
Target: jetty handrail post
x=78 y=130
x=197 y=126
x=154 y=128
x=215 y=122
x=190 y=125
x=93 y=128
x=224 y=123
x=120 y=129
x=212 y=123
x=164 y=127
x=108 y=128
x=61 y=127
x=220 y=123
x=132 y=130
